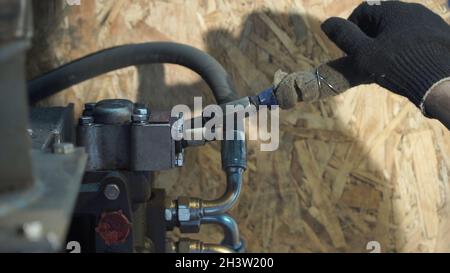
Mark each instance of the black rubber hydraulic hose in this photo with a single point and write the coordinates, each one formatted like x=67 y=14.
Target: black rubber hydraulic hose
x=131 y=55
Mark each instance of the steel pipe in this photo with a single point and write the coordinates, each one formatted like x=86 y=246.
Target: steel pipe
x=230 y=230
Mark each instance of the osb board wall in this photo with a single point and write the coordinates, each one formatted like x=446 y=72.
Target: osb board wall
x=364 y=166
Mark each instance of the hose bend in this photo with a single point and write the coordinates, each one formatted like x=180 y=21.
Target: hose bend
x=229 y=198
x=130 y=55
x=229 y=227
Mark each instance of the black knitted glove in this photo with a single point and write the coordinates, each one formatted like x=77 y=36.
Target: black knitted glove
x=403 y=47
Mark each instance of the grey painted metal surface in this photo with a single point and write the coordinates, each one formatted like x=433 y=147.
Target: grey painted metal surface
x=15 y=31
x=37 y=219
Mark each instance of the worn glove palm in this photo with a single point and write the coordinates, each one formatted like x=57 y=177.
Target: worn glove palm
x=403 y=47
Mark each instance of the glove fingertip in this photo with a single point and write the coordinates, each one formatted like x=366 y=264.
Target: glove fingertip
x=331 y=25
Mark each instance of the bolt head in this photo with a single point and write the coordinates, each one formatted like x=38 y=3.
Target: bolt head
x=139 y=118
x=141 y=109
x=63 y=148
x=112 y=192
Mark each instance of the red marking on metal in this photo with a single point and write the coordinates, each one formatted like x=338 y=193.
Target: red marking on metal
x=113 y=227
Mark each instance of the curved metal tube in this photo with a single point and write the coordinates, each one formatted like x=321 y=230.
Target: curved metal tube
x=229 y=198
x=230 y=229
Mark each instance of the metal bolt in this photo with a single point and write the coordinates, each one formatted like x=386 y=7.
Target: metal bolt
x=86 y=120
x=63 y=148
x=112 y=192
x=179 y=160
x=139 y=119
x=140 y=114
x=141 y=109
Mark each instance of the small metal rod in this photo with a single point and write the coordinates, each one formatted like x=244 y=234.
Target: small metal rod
x=229 y=227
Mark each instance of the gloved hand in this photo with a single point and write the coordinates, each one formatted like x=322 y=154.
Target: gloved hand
x=403 y=47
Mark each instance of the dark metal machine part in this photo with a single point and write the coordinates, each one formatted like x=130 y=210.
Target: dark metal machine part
x=51 y=124
x=126 y=144
x=118 y=137
x=35 y=207
x=116 y=208
x=38 y=217
x=15 y=33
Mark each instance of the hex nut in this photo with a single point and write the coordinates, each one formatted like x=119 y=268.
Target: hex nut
x=137 y=118
x=187 y=223
x=141 y=111
x=183 y=209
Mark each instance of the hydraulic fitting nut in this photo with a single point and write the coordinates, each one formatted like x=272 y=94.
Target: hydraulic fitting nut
x=184 y=213
x=188 y=222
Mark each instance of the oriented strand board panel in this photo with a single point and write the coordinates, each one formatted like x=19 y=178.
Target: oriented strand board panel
x=364 y=166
